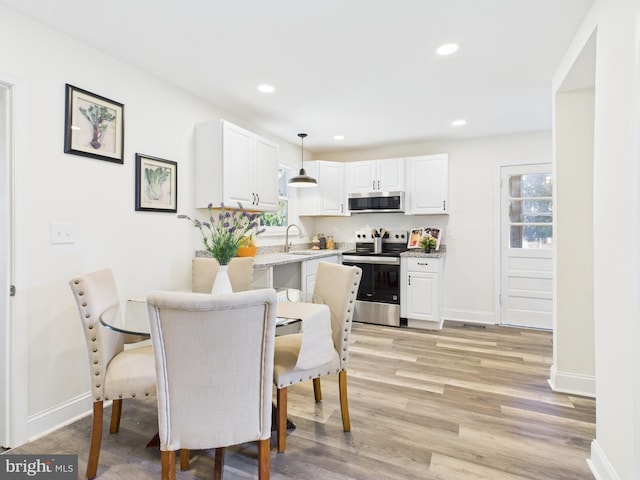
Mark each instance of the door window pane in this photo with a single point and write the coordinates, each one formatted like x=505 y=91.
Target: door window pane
x=531 y=211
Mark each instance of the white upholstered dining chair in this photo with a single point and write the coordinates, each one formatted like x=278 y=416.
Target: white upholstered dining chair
x=214 y=364
x=204 y=270
x=115 y=373
x=336 y=286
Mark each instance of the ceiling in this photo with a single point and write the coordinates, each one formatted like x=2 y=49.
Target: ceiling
x=365 y=69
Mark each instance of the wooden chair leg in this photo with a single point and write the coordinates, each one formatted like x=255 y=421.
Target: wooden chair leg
x=317 y=390
x=218 y=464
x=168 y=462
x=281 y=404
x=116 y=413
x=96 y=440
x=344 y=401
x=184 y=459
x=264 y=459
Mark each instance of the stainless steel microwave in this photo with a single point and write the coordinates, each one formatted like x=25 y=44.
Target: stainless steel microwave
x=376 y=202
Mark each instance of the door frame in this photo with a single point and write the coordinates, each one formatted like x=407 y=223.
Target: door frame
x=14 y=334
x=497 y=245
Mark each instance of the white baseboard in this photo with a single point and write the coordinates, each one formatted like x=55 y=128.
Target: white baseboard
x=599 y=464
x=52 y=419
x=424 y=324
x=572 y=383
x=470 y=316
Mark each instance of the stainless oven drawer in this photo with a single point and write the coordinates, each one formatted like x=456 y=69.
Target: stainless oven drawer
x=378 y=313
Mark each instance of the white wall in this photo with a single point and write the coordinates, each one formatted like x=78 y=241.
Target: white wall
x=471 y=228
x=573 y=368
x=616 y=451
x=146 y=250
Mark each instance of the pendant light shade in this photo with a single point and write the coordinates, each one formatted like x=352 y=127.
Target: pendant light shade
x=302 y=180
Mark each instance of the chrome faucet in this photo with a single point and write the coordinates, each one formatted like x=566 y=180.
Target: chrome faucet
x=287 y=245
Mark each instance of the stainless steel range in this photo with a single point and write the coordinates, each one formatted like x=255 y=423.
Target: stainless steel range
x=377 y=253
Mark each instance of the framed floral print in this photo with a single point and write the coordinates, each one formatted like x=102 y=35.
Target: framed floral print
x=156 y=184
x=94 y=126
x=414 y=238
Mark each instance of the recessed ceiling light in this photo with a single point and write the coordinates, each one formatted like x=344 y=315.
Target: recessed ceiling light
x=459 y=123
x=338 y=137
x=447 y=49
x=266 y=88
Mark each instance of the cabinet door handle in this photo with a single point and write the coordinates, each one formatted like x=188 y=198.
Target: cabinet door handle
x=373 y=185
x=409 y=280
x=378 y=184
x=444 y=205
x=257 y=199
x=423 y=263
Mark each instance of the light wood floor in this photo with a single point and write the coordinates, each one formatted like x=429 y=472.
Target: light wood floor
x=463 y=403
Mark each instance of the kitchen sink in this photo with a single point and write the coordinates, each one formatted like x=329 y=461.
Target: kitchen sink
x=304 y=252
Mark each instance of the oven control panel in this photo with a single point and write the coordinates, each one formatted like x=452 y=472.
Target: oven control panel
x=397 y=236
x=390 y=236
x=364 y=236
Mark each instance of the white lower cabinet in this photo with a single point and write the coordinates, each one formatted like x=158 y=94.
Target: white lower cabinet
x=421 y=292
x=309 y=270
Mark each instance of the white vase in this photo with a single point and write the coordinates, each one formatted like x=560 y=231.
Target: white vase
x=222 y=284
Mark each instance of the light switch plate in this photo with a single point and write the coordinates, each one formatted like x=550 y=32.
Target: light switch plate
x=62 y=233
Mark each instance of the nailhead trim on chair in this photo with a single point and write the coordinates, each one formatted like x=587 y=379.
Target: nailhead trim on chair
x=93 y=338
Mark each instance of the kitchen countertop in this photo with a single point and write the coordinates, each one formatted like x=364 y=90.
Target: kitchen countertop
x=270 y=259
x=419 y=253
x=266 y=260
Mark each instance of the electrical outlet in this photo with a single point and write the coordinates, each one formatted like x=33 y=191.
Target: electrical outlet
x=62 y=233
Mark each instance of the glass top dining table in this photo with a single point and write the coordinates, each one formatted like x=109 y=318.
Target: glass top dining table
x=134 y=320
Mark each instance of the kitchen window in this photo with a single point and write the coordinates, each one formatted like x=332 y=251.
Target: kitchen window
x=275 y=222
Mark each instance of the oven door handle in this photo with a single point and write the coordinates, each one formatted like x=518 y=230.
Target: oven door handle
x=355 y=259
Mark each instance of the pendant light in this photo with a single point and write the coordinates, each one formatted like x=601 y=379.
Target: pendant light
x=302 y=180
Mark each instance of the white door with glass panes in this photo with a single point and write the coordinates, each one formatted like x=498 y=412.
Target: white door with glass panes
x=526 y=246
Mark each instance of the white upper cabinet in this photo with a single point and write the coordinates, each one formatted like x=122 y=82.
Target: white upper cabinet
x=376 y=176
x=328 y=198
x=427 y=185
x=235 y=165
x=266 y=174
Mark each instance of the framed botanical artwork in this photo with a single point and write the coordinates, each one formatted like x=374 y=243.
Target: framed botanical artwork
x=156 y=184
x=414 y=238
x=93 y=126
x=435 y=233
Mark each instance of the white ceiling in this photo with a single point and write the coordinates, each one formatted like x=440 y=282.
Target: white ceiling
x=365 y=69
